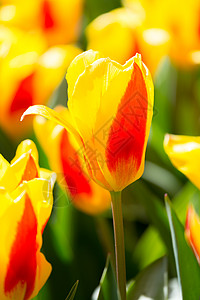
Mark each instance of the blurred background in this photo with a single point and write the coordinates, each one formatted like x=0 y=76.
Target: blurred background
x=38 y=40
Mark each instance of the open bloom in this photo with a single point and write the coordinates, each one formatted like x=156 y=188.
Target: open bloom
x=110 y=111
x=26 y=203
x=192 y=230
x=184 y=153
x=32 y=72
x=122 y=29
x=63 y=154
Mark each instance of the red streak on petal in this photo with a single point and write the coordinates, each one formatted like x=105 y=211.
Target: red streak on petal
x=49 y=21
x=189 y=234
x=30 y=171
x=24 y=95
x=75 y=177
x=23 y=265
x=128 y=130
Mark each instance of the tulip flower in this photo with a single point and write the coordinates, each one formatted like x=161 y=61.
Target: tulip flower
x=118 y=102
x=184 y=153
x=58 y=21
x=26 y=203
x=32 y=74
x=110 y=111
x=192 y=229
x=62 y=152
x=122 y=29
x=181 y=22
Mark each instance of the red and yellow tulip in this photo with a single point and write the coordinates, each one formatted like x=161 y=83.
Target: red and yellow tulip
x=29 y=74
x=119 y=34
x=57 y=20
x=192 y=230
x=184 y=153
x=26 y=204
x=63 y=154
x=110 y=111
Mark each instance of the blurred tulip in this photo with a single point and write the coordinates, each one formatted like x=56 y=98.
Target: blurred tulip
x=118 y=102
x=114 y=34
x=28 y=76
x=63 y=155
x=58 y=20
x=180 y=20
x=184 y=153
x=192 y=230
x=119 y=34
x=26 y=204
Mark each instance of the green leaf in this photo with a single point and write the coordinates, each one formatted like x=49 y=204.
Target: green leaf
x=188 y=270
x=7 y=147
x=158 y=217
x=72 y=291
x=151 y=282
x=149 y=248
x=60 y=225
x=108 y=289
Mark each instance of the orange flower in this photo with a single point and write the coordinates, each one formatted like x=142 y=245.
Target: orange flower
x=26 y=204
x=28 y=76
x=110 y=111
x=63 y=155
x=57 y=20
x=192 y=230
x=119 y=34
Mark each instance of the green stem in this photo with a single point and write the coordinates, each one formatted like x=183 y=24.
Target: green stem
x=119 y=242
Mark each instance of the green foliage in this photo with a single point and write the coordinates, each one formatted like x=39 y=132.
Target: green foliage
x=188 y=270
x=72 y=292
x=151 y=282
x=107 y=289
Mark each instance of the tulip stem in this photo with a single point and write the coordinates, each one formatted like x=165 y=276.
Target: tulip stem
x=119 y=242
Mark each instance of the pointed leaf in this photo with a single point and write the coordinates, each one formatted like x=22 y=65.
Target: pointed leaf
x=151 y=282
x=188 y=270
x=72 y=291
x=108 y=289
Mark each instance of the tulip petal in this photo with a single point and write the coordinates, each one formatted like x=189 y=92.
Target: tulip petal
x=192 y=230
x=75 y=178
x=97 y=77
x=44 y=269
x=24 y=95
x=127 y=134
x=184 y=153
x=24 y=147
x=22 y=263
x=78 y=66
x=65 y=158
x=52 y=115
x=40 y=189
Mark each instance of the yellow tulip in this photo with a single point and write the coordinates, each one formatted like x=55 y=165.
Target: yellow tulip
x=192 y=230
x=184 y=153
x=119 y=34
x=180 y=21
x=62 y=152
x=110 y=111
x=26 y=204
x=114 y=34
x=58 y=20
x=29 y=74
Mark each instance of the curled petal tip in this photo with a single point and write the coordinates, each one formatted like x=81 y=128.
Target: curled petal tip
x=25 y=114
